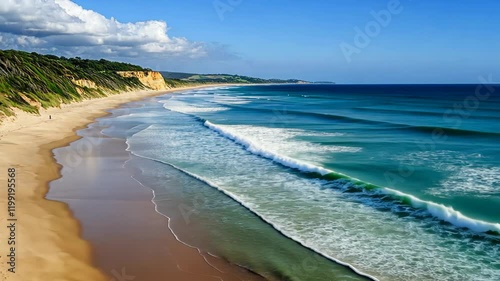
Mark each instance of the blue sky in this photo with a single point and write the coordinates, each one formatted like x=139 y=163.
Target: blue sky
x=423 y=42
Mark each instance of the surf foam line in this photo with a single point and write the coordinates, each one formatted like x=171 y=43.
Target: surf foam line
x=439 y=211
x=261 y=217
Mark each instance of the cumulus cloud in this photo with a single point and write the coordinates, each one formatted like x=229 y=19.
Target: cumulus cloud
x=61 y=26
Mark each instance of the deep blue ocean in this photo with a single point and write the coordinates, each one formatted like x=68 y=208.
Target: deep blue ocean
x=396 y=182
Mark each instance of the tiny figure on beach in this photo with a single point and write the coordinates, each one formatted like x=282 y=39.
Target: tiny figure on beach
x=50 y=116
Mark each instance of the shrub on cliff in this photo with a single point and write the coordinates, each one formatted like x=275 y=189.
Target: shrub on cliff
x=30 y=79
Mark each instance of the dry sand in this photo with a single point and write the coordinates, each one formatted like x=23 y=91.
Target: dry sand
x=48 y=241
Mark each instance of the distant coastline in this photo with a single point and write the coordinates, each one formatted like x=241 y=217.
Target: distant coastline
x=31 y=81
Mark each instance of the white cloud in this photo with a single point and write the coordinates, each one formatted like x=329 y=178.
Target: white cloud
x=64 y=27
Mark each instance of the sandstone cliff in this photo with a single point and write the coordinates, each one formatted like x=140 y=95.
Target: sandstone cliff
x=29 y=81
x=84 y=83
x=151 y=79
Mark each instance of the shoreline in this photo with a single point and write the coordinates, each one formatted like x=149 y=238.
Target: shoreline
x=120 y=220
x=45 y=227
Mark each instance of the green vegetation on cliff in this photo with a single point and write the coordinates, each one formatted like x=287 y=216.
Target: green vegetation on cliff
x=31 y=79
x=187 y=78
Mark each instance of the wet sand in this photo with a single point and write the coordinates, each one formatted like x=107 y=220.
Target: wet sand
x=119 y=220
x=48 y=238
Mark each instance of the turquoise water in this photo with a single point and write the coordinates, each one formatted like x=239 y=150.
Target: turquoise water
x=397 y=182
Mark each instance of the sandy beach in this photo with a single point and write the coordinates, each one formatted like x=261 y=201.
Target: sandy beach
x=48 y=243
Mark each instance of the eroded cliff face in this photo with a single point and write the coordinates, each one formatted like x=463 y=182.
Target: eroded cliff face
x=151 y=79
x=84 y=83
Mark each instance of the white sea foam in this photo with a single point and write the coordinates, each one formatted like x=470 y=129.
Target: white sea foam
x=187 y=108
x=446 y=213
x=256 y=149
x=323 y=219
x=229 y=100
x=138 y=115
x=347 y=226
x=470 y=179
x=462 y=175
x=440 y=211
x=279 y=227
x=286 y=143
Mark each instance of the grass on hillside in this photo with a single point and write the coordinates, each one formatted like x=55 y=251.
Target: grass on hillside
x=28 y=79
